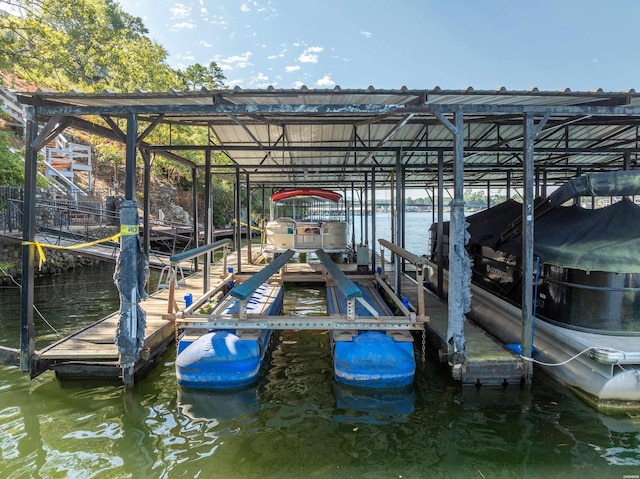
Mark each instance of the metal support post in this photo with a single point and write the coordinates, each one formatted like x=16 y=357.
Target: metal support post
x=27 y=329
x=131 y=269
x=373 y=219
x=399 y=193
x=440 y=232
x=531 y=131
x=194 y=207
x=459 y=263
x=248 y=205
x=146 y=207
x=208 y=220
x=238 y=227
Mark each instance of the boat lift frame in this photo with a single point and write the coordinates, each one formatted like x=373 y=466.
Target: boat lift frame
x=190 y=319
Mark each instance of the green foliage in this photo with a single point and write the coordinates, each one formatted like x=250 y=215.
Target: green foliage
x=197 y=76
x=91 y=45
x=11 y=166
x=94 y=45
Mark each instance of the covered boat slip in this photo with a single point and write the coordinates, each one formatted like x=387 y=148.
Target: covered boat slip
x=359 y=142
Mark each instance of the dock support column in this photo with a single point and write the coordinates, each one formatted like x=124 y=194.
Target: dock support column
x=208 y=220
x=440 y=233
x=27 y=329
x=248 y=205
x=531 y=131
x=131 y=268
x=373 y=220
x=146 y=208
x=366 y=209
x=353 y=219
x=237 y=200
x=459 y=263
x=194 y=206
x=399 y=230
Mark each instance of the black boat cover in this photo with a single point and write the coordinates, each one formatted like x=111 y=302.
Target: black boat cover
x=605 y=239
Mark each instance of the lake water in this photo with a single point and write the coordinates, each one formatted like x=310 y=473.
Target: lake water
x=296 y=422
x=417 y=226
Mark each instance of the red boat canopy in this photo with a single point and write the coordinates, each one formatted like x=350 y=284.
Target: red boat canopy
x=318 y=192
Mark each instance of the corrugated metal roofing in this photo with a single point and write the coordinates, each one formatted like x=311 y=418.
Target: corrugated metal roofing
x=333 y=137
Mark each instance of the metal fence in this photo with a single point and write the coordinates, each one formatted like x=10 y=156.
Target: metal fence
x=83 y=220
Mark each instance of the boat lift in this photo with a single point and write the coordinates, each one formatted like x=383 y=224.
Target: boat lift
x=193 y=317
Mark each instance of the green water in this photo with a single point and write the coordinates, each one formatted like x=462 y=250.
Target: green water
x=297 y=422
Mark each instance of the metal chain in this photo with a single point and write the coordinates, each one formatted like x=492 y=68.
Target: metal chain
x=424 y=344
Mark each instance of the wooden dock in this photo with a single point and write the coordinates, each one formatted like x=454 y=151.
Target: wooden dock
x=488 y=361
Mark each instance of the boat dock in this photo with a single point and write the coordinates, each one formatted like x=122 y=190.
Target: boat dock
x=488 y=362
x=92 y=352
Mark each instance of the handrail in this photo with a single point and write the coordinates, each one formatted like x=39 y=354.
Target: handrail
x=172 y=306
x=192 y=253
x=408 y=255
x=246 y=288
x=420 y=263
x=348 y=287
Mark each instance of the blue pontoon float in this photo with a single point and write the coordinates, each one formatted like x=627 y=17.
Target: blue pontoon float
x=370 y=359
x=230 y=357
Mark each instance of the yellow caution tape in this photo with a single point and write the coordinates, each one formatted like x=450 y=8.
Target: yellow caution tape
x=242 y=223
x=40 y=246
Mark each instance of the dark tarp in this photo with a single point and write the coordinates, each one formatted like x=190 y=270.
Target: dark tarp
x=604 y=239
x=611 y=183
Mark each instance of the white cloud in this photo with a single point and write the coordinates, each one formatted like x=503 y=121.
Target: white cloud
x=206 y=44
x=185 y=56
x=325 y=81
x=219 y=22
x=180 y=10
x=245 y=8
x=297 y=84
x=366 y=34
x=204 y=11
x=283 y=49
x=292 y=68
x=234 y=62
x=260 y=81
x=309 y=55
x=182 y=26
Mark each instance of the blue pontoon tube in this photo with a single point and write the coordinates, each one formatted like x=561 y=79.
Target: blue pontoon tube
x=225 y=357
x=371 y=359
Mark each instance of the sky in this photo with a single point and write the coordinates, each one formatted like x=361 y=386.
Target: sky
x=420 y=44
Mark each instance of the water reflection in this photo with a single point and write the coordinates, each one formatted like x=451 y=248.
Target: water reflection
x=217 y=406
x=373 y=406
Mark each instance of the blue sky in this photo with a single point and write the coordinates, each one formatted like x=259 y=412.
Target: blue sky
x=548 y=44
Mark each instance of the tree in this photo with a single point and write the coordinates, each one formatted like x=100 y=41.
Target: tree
x=197 y=76
x=90 y=44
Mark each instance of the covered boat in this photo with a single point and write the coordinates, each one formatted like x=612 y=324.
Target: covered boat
x=306 y=219
x=586 y=288
x=223 y=358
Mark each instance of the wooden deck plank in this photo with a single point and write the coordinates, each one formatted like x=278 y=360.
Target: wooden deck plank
x=487 y=361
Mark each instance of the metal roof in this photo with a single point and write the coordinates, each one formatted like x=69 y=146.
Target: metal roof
x=333 y=137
